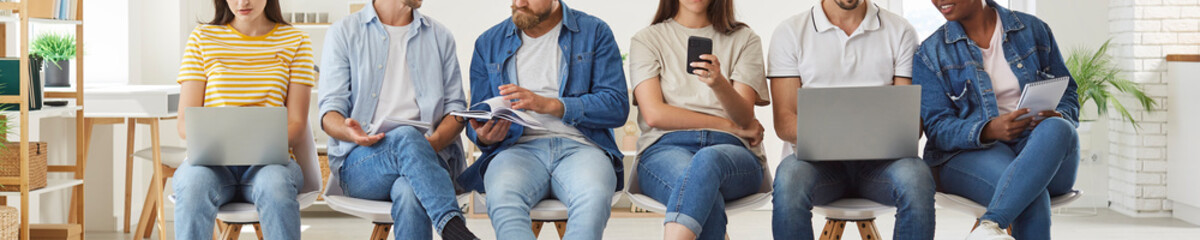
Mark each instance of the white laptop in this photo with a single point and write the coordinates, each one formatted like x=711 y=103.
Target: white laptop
x=237 y=136
x=857 y=123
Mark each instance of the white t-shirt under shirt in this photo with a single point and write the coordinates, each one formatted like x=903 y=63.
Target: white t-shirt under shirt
x=661 y=51
x=398 y=96
x=810 y=47
x=538 y=64
x=1004 y=82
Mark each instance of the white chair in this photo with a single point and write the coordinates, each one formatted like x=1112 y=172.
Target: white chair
x=746 y=203
x=861 y=212
x=550 y=211
x=378 y=212
x=172 y=157
x=232 y=216
x=965 y=205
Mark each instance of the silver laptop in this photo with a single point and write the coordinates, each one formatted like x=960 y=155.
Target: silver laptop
x=237 y=136
x=857 y=123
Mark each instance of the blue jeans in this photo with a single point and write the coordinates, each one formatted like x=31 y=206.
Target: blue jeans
x=579 y=175
x=694 y=173
x=404 y=169
x=1015 y=180
x=201 y=190
x=905 y=183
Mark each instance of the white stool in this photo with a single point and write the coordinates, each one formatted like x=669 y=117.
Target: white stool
x=378 y=212
x=964 y=205
x=550 y=211
x=746 y=203
x=172 y=157
x=860 y=211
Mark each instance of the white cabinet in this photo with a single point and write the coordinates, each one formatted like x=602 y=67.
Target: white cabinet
x=1183 y=137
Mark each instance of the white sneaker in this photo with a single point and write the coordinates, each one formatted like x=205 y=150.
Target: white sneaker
x=988 y=230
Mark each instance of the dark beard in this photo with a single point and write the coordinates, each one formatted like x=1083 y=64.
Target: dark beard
x=526 y=21
x=414 y=4
x=850 y=7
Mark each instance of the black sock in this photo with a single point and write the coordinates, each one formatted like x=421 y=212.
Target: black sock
x=456 y=229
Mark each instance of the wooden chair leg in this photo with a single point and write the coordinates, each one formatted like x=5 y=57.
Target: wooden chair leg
x=561 y=226
x=258 y=231
x=218 y=228
x=145 y=225
x=867 y=229
x=381 y=231
x=537 y=228
x=833 y=229
x=232 y=231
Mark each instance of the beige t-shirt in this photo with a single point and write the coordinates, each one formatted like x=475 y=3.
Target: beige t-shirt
x=661 y=51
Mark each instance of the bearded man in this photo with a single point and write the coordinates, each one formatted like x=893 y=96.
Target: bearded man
x=563 y=67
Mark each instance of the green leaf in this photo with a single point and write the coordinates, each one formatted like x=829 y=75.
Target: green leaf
x=1096 y=75
x=53 y=47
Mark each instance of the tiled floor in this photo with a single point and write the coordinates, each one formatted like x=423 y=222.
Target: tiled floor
x=757 y=225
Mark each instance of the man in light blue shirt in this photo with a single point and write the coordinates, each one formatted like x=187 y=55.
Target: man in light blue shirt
x=388 y=64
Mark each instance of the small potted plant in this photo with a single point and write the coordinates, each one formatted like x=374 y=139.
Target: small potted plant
x=55 y=49
x=1097 y=77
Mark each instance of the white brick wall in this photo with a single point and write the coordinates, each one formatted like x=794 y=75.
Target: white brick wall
x=1144 y=32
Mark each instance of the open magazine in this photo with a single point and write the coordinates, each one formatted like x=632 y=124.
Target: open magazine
x=388 y=124
x=501 y=109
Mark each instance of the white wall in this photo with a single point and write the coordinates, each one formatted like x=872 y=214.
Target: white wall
x=1086 y=27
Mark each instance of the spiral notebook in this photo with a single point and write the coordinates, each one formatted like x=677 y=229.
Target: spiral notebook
x=1042 y=95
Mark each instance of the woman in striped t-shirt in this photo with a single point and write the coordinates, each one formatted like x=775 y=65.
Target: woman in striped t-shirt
x=247 y=56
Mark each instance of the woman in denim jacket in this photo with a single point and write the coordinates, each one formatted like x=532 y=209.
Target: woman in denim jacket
x=971 y=71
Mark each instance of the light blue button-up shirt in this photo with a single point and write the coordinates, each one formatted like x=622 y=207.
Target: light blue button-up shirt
x=353 y=67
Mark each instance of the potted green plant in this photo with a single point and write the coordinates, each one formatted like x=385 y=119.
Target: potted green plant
x=55 y=49
x=1097 y=77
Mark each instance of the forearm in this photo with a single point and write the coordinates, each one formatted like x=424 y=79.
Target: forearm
x=667 y=117
x=444 y=132
x=296 y=130
x=740 y=111
x=335 y=126
x=785 y=126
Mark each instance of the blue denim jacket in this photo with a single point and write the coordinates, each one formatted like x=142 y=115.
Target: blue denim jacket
x=591 y=77
x=957 y=100
x=353 y=66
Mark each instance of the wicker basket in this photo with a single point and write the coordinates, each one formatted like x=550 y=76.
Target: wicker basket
x=10 y=164
x=10 y=223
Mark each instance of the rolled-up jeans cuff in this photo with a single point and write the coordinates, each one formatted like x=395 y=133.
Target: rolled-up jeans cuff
x=685 y=220
x=441 y=223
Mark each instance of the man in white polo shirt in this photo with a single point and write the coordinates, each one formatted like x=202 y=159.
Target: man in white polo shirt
x=844 y=43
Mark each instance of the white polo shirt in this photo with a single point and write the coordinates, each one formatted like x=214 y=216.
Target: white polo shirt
x=808 y=46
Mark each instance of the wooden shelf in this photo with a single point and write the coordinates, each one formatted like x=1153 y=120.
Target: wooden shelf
x=1183 y=58
x=51 y=185
x=75 y=213
x=11 y=99
x=14 y=6
x=42 y=20
x=46 y=112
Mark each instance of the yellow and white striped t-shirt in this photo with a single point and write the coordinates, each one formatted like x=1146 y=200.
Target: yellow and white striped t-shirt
x=240 y=70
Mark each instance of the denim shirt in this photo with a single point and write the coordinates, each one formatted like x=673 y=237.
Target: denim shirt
x=957 y=99
x=352 y=73
x=591 y=78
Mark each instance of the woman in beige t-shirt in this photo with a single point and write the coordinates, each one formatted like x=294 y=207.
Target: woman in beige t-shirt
x=700 y=142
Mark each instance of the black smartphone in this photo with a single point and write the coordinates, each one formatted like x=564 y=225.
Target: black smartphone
x=697 y=46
